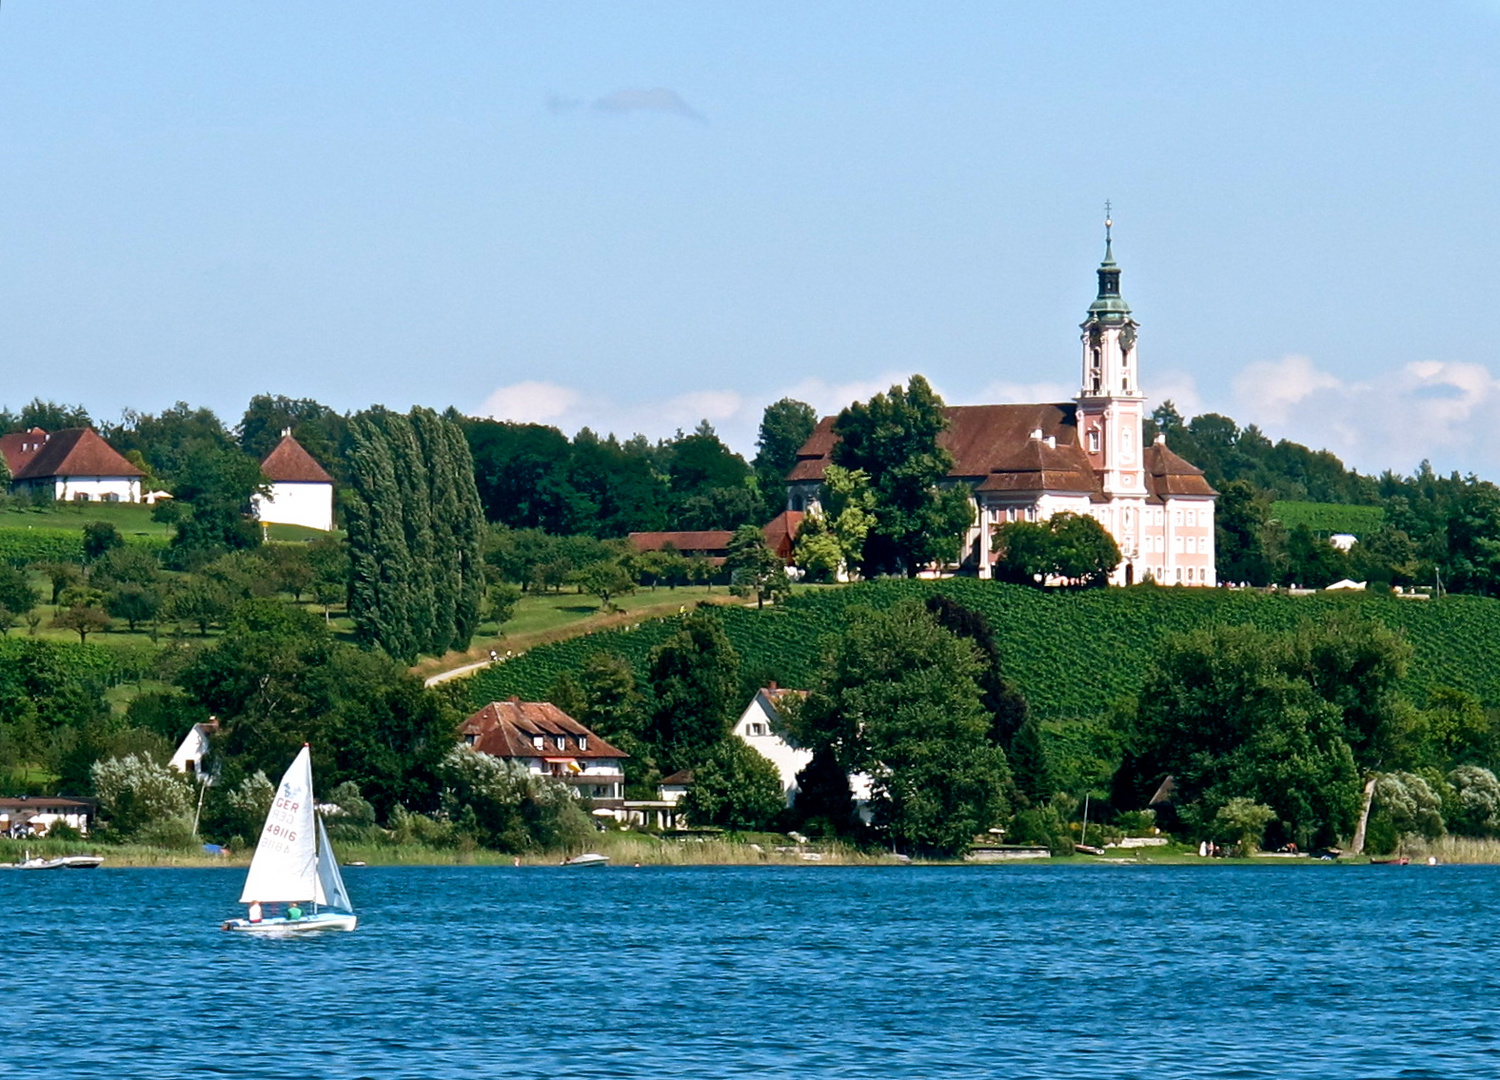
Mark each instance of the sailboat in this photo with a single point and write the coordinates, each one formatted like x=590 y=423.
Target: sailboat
x=294 y=864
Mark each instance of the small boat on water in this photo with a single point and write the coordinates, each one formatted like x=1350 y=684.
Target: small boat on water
x=65 y=862
x=294 y=865
x=589 y=859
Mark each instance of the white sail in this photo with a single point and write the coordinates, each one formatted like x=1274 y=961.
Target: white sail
x=284 y=868
x=330 y=891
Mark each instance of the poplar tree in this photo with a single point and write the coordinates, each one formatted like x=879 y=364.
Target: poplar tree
x=416 y=529
x=380 y=563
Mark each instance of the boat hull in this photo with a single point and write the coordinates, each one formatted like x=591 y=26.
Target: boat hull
x=323 y=920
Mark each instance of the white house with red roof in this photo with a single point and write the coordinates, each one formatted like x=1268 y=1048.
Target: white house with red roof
x=301 y=490
x=549 y=742
x=1028 y=462
x=74 y=464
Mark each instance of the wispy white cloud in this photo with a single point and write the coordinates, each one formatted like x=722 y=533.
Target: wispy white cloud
x=1425 y=409
x=657 y=99
x=622 y=102
x=1274 y=388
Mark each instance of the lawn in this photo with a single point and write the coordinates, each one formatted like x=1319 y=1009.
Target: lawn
x=132 y=519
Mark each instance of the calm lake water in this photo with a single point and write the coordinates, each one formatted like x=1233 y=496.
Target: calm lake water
x=807 y=972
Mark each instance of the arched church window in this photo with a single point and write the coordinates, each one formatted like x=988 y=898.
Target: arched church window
x=1094 y=441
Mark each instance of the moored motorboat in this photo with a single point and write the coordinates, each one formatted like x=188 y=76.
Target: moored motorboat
x=588 y=859
x=65 y=862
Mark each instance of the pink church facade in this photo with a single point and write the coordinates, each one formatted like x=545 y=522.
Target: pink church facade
x=1087 y=456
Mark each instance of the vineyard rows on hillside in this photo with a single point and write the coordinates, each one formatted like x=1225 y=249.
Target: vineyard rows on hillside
x=1072 y=654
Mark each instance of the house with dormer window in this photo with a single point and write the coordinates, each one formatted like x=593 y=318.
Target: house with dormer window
x=548 y=742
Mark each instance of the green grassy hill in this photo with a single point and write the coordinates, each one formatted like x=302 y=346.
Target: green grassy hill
x=1070 y=653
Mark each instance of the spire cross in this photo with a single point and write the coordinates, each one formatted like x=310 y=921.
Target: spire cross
x=1107 y=221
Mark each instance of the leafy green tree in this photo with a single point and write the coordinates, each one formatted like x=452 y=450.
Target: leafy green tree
x=694 y=675
x=198 y=602
x=500 y=602
x=62 y=575
x=415 y=531
x=1004 y=703
x=133 y=603
x=734 y=788
x=1242 y=823
x=1474 y=541
x=1312 y=561
x=211 y=504
x=894 y=440
x=1030 y=764
x=170 y=442
x=125 y=565
x=17 y=596
x=99 y=538
x=82 y=612
x=1476 y=809
x=824 y=803
x=1411 y=804
x=784 y=427
x=1073 y=547
x=607 y=580
x=754 y=569
x=52 y=416
x=317 y=427
x=899 y=699
x=1239 y=712
x=508 y=808
x=1240 y=517
x=136 y=793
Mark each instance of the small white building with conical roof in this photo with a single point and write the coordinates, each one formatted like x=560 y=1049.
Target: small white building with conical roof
x=301 y=490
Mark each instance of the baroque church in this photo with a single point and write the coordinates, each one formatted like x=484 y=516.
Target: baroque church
x=1028 y=462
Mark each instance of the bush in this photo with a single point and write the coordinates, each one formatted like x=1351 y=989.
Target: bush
x=1242 y=823
x=501 y=805
x=137 y=795
x=1477 y=811
x=736 y=788
x=1044 y=827
x=1410 y=804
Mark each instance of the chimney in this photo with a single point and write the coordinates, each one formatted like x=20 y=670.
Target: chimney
x=1052 y=442
x=1036 y=434
x=1161 y=438
x=771 y=686
x=286 y=433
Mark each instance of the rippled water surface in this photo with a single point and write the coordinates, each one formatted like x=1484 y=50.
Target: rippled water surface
x=1052 y=972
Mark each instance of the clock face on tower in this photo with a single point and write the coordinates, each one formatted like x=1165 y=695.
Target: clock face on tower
x=1127 y=338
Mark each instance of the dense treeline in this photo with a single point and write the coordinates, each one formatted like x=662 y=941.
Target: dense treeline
x=1427 y=529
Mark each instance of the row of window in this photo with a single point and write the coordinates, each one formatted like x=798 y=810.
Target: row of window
x=540 y=741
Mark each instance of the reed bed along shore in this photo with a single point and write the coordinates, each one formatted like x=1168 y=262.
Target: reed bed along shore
x=629 y=849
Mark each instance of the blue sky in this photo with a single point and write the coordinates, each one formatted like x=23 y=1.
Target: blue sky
x=637 y=215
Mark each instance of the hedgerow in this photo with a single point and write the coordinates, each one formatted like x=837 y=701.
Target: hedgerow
x=1071 y=653
x=20 y=547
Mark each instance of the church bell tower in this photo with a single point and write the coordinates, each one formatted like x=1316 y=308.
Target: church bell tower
x=1110 y=401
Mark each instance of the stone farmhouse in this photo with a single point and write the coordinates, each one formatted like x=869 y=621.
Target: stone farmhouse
x=75 y=464
x=1028 y=462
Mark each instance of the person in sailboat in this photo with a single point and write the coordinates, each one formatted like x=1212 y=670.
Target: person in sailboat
x=294 y=913
x=254 y=913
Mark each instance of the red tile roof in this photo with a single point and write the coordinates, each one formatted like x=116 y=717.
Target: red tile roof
x=507 y=729
x=990 y=444
x=289 y=463
x=1167 y=474
x=781 y=532
x=36 y=455
x=711 y=542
